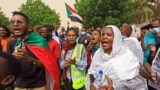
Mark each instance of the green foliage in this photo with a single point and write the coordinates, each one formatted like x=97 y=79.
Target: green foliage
x=146 y=10
x=105 y=12
x=143 y=10
x=3 y=19
x=39 y=13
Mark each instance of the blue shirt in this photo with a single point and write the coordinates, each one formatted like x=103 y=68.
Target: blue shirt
x=149 y=38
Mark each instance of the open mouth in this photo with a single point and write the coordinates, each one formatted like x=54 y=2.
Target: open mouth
x=17 y=30
x=93 y=38
x=104 y=43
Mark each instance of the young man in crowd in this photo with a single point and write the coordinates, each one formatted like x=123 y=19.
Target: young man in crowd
x=62 y=37
x=93 y=45
x=84 y=37
x=46 y=32
x=32 y=51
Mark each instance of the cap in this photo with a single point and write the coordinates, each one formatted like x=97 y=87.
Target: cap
x=100 y=72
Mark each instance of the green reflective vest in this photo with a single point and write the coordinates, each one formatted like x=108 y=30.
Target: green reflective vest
x=78 y=76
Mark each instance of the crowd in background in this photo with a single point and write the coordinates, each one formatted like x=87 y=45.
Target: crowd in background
x=70 y=58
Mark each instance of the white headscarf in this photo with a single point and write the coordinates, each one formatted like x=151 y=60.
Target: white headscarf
x=117 y=41
x=120 y=65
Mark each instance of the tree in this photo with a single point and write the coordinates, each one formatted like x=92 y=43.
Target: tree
x=39 y=13
x=157 y=7
x=3 y=19
x=144 y=11
x=105 y=12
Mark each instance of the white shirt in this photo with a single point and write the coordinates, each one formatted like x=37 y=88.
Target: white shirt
x=55 y=37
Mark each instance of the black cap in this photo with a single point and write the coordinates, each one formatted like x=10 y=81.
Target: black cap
x=148 y=26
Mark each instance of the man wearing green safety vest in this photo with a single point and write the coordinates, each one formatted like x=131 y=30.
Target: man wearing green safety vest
x=73 y=62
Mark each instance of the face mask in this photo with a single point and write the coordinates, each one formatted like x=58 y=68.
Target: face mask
x=156 y=30
x=82 y=33
x=123 y=37
x=85 y=41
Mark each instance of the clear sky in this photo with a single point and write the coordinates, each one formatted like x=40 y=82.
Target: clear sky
x=8 y=6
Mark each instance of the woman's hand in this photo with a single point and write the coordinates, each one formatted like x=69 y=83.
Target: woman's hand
x=109 y=86
x=68 y=62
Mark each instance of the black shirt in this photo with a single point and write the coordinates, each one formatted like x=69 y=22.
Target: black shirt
x=30 y=76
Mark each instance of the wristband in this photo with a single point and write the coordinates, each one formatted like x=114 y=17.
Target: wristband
x=34 y=62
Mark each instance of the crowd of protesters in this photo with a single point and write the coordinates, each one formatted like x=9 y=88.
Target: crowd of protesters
x=43 y=58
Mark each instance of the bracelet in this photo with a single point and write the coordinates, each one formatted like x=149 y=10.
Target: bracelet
x=34 y=62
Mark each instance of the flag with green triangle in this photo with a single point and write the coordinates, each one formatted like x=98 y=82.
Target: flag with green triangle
x=72 y=14
x=39 y=47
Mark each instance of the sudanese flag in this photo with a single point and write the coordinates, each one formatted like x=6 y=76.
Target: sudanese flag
x=72 y=14
x=39 y=47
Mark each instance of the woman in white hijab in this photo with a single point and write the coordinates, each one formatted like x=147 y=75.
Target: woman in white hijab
x=117 y=62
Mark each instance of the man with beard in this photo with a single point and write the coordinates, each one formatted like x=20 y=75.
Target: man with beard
x=32 y=51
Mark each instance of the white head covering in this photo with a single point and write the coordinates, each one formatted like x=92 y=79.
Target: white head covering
x=120 y=65
x=117 y=41
x=133 y=33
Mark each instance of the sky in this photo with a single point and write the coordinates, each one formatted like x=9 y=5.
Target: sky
x=7 y=6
